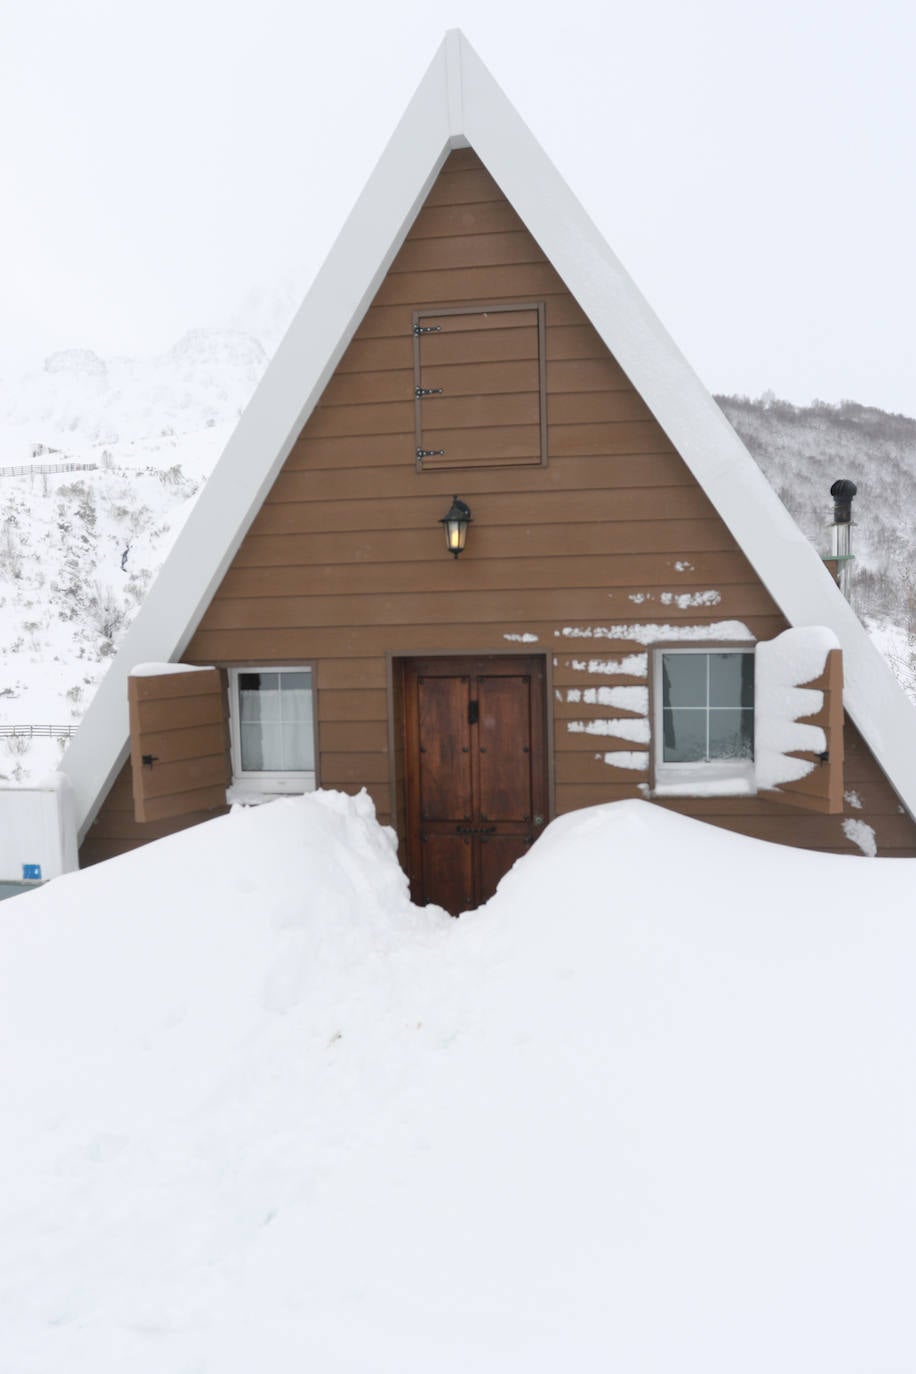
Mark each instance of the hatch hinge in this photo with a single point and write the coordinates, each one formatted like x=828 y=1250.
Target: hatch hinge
x=427 y=328
x=430 y=452
x=427 y=391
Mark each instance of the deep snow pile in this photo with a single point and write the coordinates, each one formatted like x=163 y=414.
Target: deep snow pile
x=650 y=1109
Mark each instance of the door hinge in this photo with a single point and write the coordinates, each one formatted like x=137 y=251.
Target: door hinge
x=473 y=712
x=427 y=328
x=421 y=391
x=430 y=452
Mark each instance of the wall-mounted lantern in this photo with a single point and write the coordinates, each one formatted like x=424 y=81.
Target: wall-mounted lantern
x=456 y=526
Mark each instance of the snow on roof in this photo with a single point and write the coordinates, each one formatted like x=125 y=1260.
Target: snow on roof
x=457 y=104
x=259 y=1112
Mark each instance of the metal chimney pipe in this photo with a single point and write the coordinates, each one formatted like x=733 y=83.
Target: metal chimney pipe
x=841 y=554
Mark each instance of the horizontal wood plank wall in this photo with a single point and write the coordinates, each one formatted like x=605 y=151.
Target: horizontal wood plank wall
x=346 y=562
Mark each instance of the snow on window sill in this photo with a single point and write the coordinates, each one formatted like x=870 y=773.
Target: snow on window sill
x=254 y=790
x=730 y=778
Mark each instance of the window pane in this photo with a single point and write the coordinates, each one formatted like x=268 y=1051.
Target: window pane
x=683 y=680
x=298 y=753
x=296 y=696
x=249 y=699
x=684 y=736
x=731 y=734
x=251 y=750
x=271 y=747
x=269 y=695
x=731 y=679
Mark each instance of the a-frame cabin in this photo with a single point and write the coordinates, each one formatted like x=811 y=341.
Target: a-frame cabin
x=615 y=624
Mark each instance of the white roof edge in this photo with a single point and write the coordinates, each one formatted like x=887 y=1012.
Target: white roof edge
x=458 y=103
x=452 y=46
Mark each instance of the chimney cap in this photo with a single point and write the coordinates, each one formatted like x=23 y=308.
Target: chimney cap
x=843 y=490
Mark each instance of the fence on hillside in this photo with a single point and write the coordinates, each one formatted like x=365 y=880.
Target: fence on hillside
x=37 y=731
x=27 y=469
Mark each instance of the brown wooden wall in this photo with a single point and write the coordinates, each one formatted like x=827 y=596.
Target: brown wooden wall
x=345 y=563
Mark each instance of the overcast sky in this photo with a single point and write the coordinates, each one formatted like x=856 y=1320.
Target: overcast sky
x=752 y=165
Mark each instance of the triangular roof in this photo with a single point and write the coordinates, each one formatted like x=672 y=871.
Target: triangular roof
x=459 y=104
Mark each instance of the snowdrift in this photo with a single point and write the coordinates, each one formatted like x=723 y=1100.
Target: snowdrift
x=651 y=1109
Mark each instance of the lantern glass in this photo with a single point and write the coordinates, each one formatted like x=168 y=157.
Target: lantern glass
x=456 y=524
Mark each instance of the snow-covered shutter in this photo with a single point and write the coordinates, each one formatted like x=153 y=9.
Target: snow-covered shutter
x=179 y=740
x=798 y=719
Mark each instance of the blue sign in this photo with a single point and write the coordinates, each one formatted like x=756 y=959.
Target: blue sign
x=31 y=873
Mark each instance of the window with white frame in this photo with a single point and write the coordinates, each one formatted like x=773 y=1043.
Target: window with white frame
x=703 y=716
x=272 y=729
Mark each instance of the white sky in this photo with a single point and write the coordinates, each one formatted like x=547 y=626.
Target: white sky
x=752 y=165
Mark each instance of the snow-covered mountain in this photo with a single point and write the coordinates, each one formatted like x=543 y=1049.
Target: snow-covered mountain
x=100 y=461
x=80 y=400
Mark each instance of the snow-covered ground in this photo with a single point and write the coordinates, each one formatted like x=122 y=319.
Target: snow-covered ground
x=259 y=1112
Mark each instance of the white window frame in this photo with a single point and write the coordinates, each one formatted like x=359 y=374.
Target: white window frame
x=703 y=777
x=267 y=783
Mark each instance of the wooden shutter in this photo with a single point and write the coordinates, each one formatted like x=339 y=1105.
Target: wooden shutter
x=480 y=384
x=179 y=743
x=821 y=786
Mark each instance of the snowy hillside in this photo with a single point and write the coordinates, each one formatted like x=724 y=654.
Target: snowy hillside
x=259 y=1112
x=802 y=450
x=80 y=548
x=78 y=552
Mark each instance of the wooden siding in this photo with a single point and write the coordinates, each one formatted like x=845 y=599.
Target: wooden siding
x=345 y=564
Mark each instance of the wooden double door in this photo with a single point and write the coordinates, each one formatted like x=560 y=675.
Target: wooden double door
x=475 y=764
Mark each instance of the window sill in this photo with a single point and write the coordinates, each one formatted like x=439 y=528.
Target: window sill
x=727 y=779
x=252 y=791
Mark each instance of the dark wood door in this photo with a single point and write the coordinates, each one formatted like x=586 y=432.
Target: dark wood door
x=475 y=761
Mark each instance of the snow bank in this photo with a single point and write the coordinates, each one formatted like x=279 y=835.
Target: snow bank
x=651 y=1108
